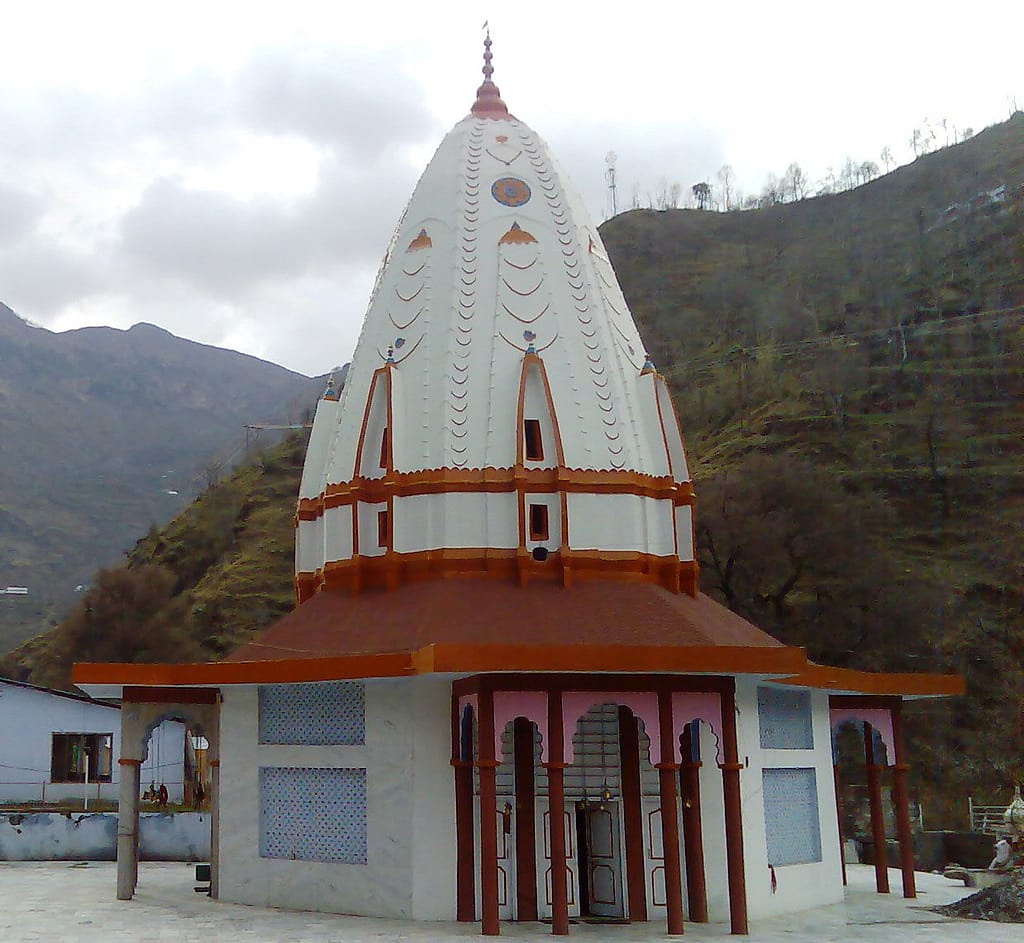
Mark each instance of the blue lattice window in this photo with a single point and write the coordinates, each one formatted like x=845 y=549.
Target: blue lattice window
x=785 y=719
x=792 y=828
x=328 y=713
x=310 y=814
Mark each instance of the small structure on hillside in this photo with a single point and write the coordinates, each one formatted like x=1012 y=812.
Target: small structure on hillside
x=502 y=695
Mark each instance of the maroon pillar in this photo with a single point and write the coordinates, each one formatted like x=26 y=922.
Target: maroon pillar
x=526 y=845
x=693 y=836
x=667 y=772
x=488 y=818
x=733 y=813
x=899 y=797
x=632 y=814
x=839 y=820
x=462 y=761
x=877 y=820
x=556 y=814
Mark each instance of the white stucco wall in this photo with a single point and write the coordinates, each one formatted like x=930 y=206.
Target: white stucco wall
x=410 y=868
x=799 y=886
x=621 y=522
x=29 y=717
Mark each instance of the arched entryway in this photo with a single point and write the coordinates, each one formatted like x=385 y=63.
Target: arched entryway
x=143 y=711
x=581 y=813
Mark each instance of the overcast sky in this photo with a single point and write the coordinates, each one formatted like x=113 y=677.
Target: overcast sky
x=233 y=171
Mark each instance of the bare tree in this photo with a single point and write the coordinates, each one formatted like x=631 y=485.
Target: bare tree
x=867 y=171
x=727 y=179
x=794 y=183
x=887 y=158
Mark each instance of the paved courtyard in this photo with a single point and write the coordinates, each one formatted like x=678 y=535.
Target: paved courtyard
x=60 y=901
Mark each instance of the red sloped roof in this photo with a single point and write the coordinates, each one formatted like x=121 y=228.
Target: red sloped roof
x=485 y=612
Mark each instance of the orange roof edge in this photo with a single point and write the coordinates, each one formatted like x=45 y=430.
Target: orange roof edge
x=841 y=680
x=789 y=662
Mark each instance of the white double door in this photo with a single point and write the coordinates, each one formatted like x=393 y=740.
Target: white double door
x=593 y=838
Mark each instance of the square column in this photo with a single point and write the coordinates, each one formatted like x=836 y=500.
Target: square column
x=128 y=828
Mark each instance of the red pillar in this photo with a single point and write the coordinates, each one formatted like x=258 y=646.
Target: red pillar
x=877 y=820
x=556 y=813
x=462 y=762
x=667 y=772
x=526 y=845
x=488 y=818
x=899 y=796
x=632 y=814
x=733 y=813
x=693 y=837
x=839 y=821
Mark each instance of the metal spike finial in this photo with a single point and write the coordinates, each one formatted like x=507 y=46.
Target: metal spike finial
x=488 y=102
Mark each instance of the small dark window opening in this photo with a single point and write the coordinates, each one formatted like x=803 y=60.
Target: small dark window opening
x=384 y=448
x=76 y=755
x=383 y=529
x=540 y=554
x=538 y=522
x=534 y=445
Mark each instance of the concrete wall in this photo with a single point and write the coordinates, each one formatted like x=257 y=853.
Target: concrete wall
x=799 y=886
x=410 y=868
x=28 y=719
x=54 y=836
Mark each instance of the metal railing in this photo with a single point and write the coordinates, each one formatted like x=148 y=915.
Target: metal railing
x=986 y=819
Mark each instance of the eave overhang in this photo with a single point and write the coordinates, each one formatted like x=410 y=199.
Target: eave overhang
x=783 y=664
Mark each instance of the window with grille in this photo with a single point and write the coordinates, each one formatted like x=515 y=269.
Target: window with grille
x=312 y=814
x=791 y=825
x=784 y=718
x=320 y=714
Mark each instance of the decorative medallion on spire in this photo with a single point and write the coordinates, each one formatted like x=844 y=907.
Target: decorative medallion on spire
x=488 y=102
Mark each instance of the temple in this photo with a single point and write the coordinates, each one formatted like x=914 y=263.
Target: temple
x=501 y=694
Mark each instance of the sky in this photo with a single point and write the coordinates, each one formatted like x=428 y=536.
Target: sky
x=232 y=172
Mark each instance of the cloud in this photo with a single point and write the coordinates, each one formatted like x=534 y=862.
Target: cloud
x=358 y=106
x=40 y=276
x=19 y=213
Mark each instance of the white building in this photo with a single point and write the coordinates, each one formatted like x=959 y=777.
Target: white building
x=501 y=695
x=57 y=746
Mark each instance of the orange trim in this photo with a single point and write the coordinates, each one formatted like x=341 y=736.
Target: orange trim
x=125 y=761
x=658 y=379
x=285 y=670
x=450 y=657
x=357 y=572
x=867 y=682
x=534 y=360
x=495 y=480
x=569 y=659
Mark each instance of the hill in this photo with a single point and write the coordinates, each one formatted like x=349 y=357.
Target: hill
x=849 y=371
x=104 y=432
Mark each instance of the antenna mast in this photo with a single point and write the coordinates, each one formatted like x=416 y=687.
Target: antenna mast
x=609 y=175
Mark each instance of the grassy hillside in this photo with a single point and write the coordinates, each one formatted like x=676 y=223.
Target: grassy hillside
x=870 y=343
x=194 y=590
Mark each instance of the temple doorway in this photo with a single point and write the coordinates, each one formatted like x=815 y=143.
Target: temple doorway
x=599 y=859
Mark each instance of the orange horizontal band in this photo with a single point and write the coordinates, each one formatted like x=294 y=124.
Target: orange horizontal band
x=494 y=480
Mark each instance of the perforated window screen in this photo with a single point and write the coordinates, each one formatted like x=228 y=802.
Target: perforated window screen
x=785 y=719
x=791 y=826
x=313 y=714
x=313 y=814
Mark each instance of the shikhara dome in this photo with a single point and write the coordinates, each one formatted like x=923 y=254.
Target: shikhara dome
x=499 y=405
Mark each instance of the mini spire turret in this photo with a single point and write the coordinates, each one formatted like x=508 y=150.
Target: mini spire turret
x=488 y=102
